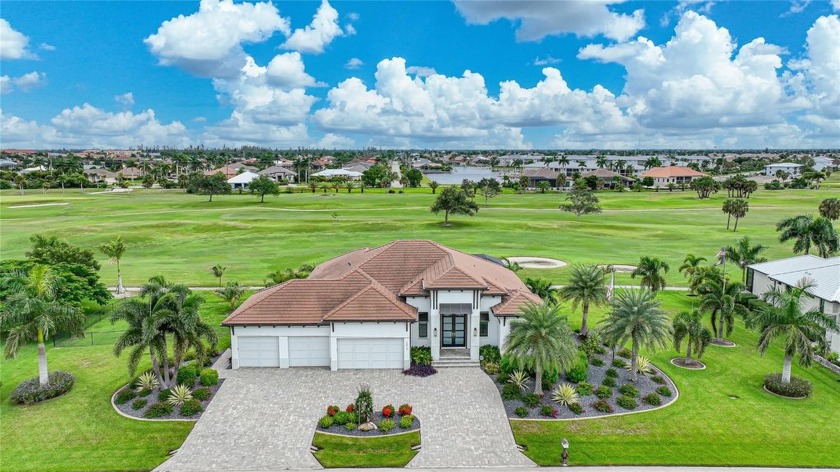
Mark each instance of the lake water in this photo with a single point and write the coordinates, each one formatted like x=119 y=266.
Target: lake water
x=460 y=173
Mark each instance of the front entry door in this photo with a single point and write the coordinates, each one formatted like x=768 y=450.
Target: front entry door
x=454 y=330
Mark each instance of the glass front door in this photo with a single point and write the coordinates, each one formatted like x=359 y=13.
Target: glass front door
x=454 y=330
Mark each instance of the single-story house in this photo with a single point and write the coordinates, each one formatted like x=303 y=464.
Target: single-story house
x=130 y=172
x=607 y=177
x=541 y=174
x=330 y=173
x=665 y=175
x=367 y=308
x=278 y=173
x=231 y=170
x=100 y=175
x=791 y=168
x=824 y=295
x=7 y=164
x=242 y=180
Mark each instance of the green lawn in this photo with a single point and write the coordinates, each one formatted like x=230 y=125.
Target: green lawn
x=80 y=431
x=705 y=426
x=384 y=451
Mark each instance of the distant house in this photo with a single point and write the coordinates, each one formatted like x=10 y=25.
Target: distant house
x=672 y=175
x=543 y=174
x=824 y=164
x=330 y=173
x=278 y=173
x=7 y=164
x=791 y=168
x=824 y=274
x=227 y=171
x=101 y=175
x=242 y=180
x=607 y=178
x=130 y=172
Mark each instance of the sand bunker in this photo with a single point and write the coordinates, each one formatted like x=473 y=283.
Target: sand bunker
x=39 y=205
x=622 y=268
x=537 y=262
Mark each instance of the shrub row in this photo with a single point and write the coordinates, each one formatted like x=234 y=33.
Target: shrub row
x=31 y=391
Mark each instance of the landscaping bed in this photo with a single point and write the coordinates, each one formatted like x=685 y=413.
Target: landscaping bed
x=388 y=420
x=156 y=403
x=603 y=390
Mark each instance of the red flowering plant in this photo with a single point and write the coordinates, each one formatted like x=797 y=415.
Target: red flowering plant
x=388 y=411
x=405 y=409
x=350 y=408
x=332 y=410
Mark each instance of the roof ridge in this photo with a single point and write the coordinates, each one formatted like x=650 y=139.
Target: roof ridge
x=378 y=288
x=245 y=306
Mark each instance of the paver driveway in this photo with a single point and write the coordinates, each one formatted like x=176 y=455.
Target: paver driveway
x=264 y=419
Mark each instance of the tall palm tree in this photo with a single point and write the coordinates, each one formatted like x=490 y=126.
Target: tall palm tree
x=744 y=254
x=722 y=297
x=32 y=312
x=688 y=326
x=690 y=265
x=637 y=317
x=231 y=293
x=179 y=317
x=808 y=232
x=542 y=288
x=651 y=271
x=587 y=286
x=138 y=337
x=218 y=271
x=784 y=317
x=540 y=339
x=115 y=249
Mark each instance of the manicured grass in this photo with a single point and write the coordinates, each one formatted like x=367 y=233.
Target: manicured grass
x=705 y=426
x=181 y=236
x=384 y=451
x=80 y=431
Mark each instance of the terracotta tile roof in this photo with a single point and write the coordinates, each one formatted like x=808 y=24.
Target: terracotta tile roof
x=366 y=285
x=514 y=302
x=672 y=171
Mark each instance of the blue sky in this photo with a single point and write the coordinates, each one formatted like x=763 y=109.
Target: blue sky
x=560 y=74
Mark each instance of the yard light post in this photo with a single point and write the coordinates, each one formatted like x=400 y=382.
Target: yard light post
x=565 y=455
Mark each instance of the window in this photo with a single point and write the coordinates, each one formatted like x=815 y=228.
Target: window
x=484 y=324
x=750 y=278
x=822 y=305
x=423 y=326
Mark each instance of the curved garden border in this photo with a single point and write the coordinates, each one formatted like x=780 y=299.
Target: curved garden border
x=686 y=367
x=418 y=429
x=114 y=406
x=727 y=346
x=782 y=396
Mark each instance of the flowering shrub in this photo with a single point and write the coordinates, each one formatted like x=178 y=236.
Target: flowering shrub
x=603 y=406
x=405 y=409
x=548 y=410
x=576 y=408
x=350 y=408
x=798 y=387
x=332 y=410
x=420 y=371
x=30 y=391
x=388 y=411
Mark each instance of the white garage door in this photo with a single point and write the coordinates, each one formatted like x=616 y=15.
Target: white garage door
x=259 y=351
x=311 y=351
x=370 y=353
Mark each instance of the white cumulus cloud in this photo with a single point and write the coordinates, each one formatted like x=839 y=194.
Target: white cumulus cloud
x=421 y=71
x=354 y=63
x=13 y=44
x=317 y=35
x=538 y=19
x=24 y=83
x=126 y=99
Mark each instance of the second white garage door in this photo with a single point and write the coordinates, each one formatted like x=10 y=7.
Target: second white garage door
x=370 y=353
x=309 y=351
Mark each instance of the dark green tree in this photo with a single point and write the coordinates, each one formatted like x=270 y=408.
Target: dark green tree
x=453 y=200
x=581 y=201
x=263 y=186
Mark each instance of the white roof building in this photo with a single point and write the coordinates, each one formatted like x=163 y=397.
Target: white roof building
x=242 y=180
x=337 y=173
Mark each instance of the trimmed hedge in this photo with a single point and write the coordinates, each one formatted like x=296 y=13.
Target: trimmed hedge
x=797 y=388
x=201 y=394
x=158 y=410
x=209 y=377
x=186 y=375
x=190 y=407
x=124 y=396
x=30 y=391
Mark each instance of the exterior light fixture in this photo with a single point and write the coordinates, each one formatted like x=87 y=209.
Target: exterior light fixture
x=434 y=333
x=565 y=455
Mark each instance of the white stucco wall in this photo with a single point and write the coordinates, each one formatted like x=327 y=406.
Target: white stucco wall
x=423 y=305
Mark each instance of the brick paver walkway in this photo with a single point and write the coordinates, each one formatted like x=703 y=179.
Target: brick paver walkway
x=264 y=419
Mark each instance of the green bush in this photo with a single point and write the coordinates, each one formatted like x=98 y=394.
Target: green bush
x=618 y=363
x=209 y=377
x=531 y=400
x=163 y=395
x=201 y=394
x=664 y=391
x=576 y=408
x=658 y=379
x=386 y=425
x=421 y=355
x=579 y=372
x=521 y=412
x=603 y=406
x=186 y=376
x=144 y=393
x=406 y=421
x=596 y=361
x=798 y=387
x=612 y=373
x=609 y=382
x=511 y=392
x=489 y=353
x=551 y=376
x=626 y=402
x=502 y=378
x=158 y=410
x=603 y=392
x=629 y=390
x=124 y=396
x=139 y=404
x=342 y=417
x=584 y=388
x=508 y=364
x=652 y=399
x=190 y=407
x=490 y=367
x=625 y=353
x=364 y=404
x=592 y=344
x=350 y=426
x=548 y=410
x=325 y=422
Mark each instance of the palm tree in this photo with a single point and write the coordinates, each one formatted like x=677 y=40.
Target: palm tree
x=115 y=249
x=543 y=185
x=688 y=326
x=744 y=254
x=722 y=297
x=138 y=335
x=542 y=288
x=784 y=317
x=218 y=271
x=739 y=209
x=807 y=232
x=513 y=266
x=637 y=317
x=690 y=265
x=433 y=185
x=231 y=293
x=540 y=339
x=830 y=208
x=650 y=269
x=587 y=286
x=32 y=312
x=180 y=318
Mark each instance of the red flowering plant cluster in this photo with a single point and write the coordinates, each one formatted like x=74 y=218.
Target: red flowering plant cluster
x=332 y=410
x=405 y=409
x=388 y=411
x=350 y=408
